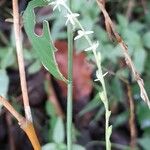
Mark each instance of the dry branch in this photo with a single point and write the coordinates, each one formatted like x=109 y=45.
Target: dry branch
x=25 y=124
x=18 y=38
x=114 y=34
x=133 y=131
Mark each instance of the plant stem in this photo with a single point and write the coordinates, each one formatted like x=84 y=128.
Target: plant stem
x=104 y=98
x=69 y=94
x=24 y=123
x=18 y=36
x=133 y=131
x=100 y=78
x=7 y=105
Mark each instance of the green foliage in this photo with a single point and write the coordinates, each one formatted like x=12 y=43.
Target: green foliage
x=143 y=116
x=135 y=33
x=116 y=84
x=94 y=103
x=146 y=38
x=35 y=67
x=120 y=119
x=7 y=57
x=139 y=58
x=52 y=146
x=43 y=44
x=52 y=122
x=58 y=132
x=32 y=61
x=6 y=60
x=144 y=143
x=4 y=81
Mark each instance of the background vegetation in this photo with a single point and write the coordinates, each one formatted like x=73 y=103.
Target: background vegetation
x=48 y=95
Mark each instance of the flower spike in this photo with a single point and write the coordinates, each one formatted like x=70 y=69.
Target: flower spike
x=71 y=17
x=93 y=47
x=57 y=4
x=82 y=33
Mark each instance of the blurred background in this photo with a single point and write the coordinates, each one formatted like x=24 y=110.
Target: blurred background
x=48 y=95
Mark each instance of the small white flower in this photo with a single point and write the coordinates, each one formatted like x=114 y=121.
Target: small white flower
x=98 y=76
x=93 y=47
x=57 y=4
x=105 y=74
x=97 y=80
x=82 y=33
x=71 y=17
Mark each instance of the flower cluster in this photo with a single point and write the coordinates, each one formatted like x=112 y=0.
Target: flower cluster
x=82 y=33
x=57 y=4
x=72 y=19
x=93 y=47
x=99 y=76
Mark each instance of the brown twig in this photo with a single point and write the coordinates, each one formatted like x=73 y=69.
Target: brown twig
x=10 y=132
x=18 y=37
x=130 y=6
x=7 y=105
x=113 y=33
x=53 y=99
x=25 y=124
x=133 y=131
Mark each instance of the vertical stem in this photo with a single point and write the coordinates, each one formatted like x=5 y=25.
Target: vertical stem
x=69 y=94
x=25 y=124
x=133 y=131
x=10 y=131
x=18 y=36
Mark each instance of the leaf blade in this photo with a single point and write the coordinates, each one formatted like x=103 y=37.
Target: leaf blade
x=42 y=44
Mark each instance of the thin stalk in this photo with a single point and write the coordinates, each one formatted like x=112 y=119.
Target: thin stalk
x=133 y=131
x=18 y=38
x=97 y=55
x=100 y=78
x=25 y=124
x=69 y=92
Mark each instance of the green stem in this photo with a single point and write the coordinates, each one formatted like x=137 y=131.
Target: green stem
x=69 y=94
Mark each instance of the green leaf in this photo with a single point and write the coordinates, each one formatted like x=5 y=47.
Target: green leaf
x=35 y=67
x=43 y=44
x=120 y=119
x=133 y=39
x=81 y=45
x=146 y=40
x=4 y=82
x=77 y=147
x=56 y=31
x=49 y=146
x=139 y=58
x=144 y=143
x=116 y=84
x=136 y=26
x=143 y=116
x=94 y=103
x=61 y=146
x=100 y=33
x=8 y=58
x=54 y=146
x=50 y=110
x=123 y=22
x=58 y=133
